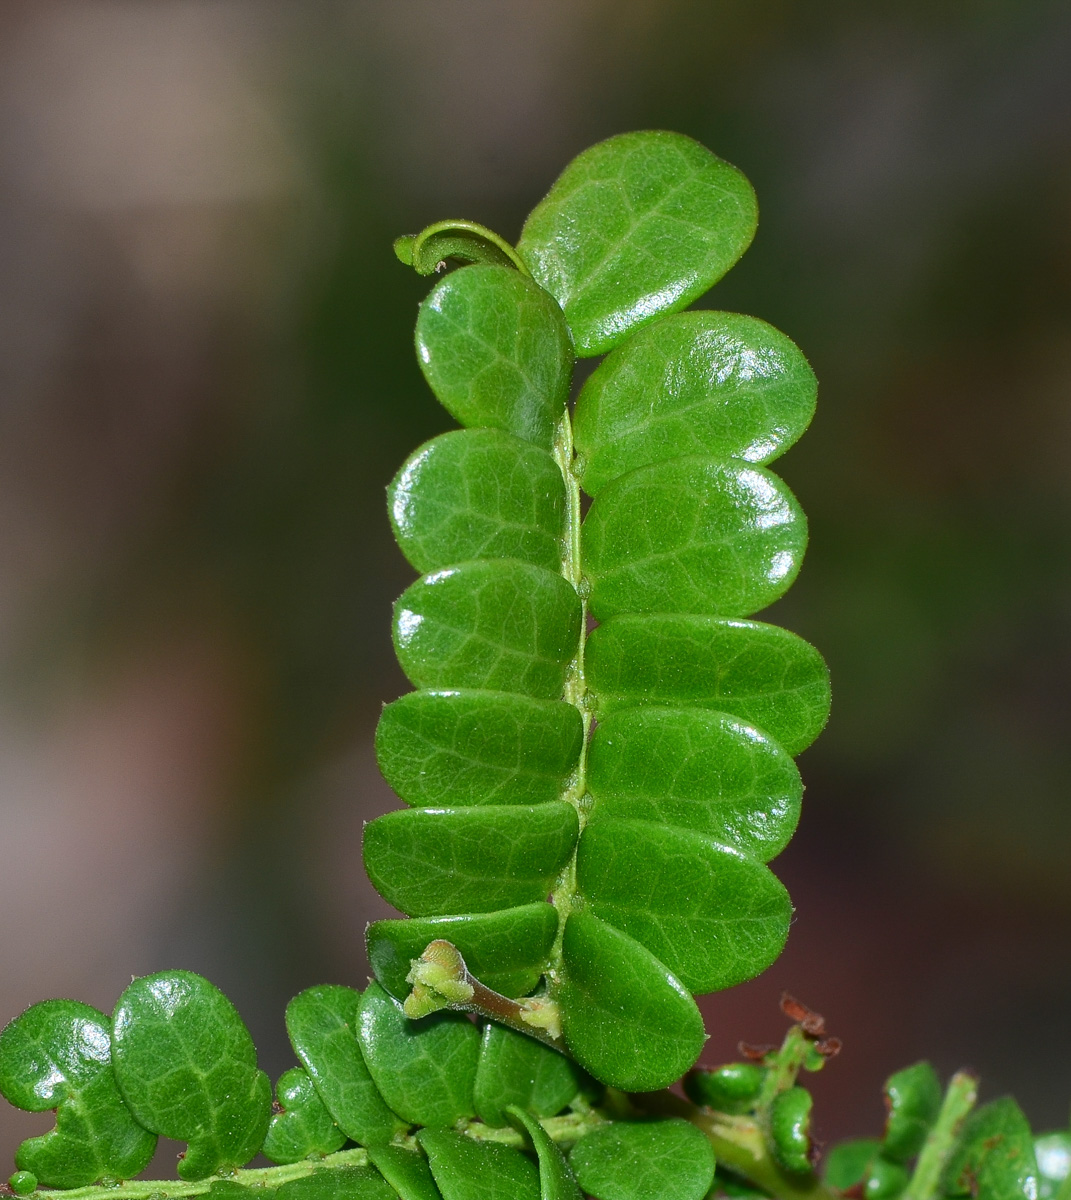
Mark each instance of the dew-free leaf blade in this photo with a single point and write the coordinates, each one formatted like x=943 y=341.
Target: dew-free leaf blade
x=478 y=493
x=425 y=1069
x=322 y=1024
x=995 y=1156
x=638 y=225
x=187 y=1067
x=474 y=747
x=667 y=1159
x=849 y=1163
x=713 y=915
x=495 y=350
x=556 y=1178
x=57 y=1055
x=500 y=625
x=515 y=1069
x=912 y=1101
x=626 y=1017
x=692 y=535
x=466 y=1169
x=342 y=1183
x=302 y=1126
x=698 y=770
x=506 y=950
x=764 y=675
x=436 y=862
x=711 y=383
x=406 y=1170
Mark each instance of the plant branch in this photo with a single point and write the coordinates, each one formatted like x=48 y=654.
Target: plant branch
x=960 y=1097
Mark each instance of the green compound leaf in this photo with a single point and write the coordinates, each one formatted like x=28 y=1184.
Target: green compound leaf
x=322 y=1024
x=517 y=1070
x=407 y=1171
x=501 y=625
x=711 y=383
x=469 y=747
x=187 y=1067
x=711 y=914
x=638 y=225
x=556 y=1179
x=626 y=1018
x=764 y=675
x=693 y=535
x=303 y=1126
x=343 y=1183
x=466 y=1169
x=995 y=1157
x=57 y=1055
x=478 y=493
x=697 y=770
x=496 y=352
x=1053 y=1154
x=913 y=1100
x=649 y=1160
x=435 y=862
x=849 y=1163
x=425 y=1069
x=506 y=950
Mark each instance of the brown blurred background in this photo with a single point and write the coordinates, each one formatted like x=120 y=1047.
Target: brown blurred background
x=206 y=380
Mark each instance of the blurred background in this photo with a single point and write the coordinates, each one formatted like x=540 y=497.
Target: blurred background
x=207 y=379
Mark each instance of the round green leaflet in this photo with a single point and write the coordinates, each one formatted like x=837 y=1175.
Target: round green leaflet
x=709 y=383
x=496 y=352
x=302 y=1126
x=651 y=1160
x=636 y=226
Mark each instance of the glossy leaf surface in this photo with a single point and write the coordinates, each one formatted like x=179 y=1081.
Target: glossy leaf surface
x=57 y=1055
x=913 y=1100
x=713 y=915
x=556 y=1178
x=507 y=950
x=790 y=1130
x=433 y=862
x=496 y=352
x=478 y=493
x=710 y=383
x=848 y=1164
x=344 y=1183
x=764 y=675
x=303 y=1126
x=466 y=1169
x=322 y=1024
x=693 y=535
x=407 y=1171
x=995 y=1156
x=627 y=1019
x=731 y=1088
x=638 y=225
x=469 y=747
x=501 y=625
x=425 y=1069
x=187 y=1067
x=697 y=770
x=1053 y=1154
x=518 y=1070
x=650 y=1160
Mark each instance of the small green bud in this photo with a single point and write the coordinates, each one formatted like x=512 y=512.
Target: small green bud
x=22 y=1183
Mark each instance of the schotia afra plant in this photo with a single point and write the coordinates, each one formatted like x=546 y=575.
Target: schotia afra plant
x=598 y=760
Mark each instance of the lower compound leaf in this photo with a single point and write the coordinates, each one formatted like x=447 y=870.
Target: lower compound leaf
x=57 y=1055
x=626 y=1017
x=648 y=1160
x=187 y=1067
x=714 y=916
x=517 y=1070
x=506 y=950
x=425 y=1069
x=303 y=1126
x=322 y=1024
x=556 y=1179
x=466 y=1169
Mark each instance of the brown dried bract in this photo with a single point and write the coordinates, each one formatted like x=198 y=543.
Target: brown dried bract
x=811 y=1022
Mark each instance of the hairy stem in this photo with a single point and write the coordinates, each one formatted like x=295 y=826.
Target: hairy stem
x=960 y=1096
